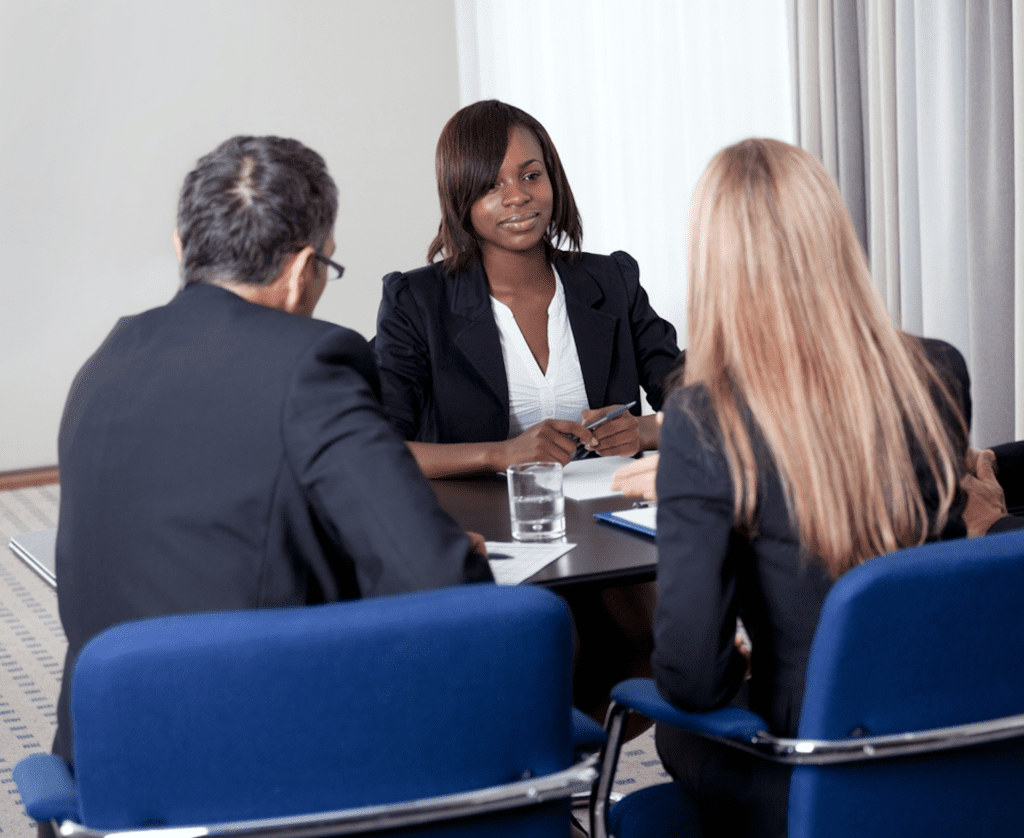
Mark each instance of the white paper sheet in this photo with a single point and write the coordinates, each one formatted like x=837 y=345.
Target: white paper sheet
x=587 y=479
x=526 y=558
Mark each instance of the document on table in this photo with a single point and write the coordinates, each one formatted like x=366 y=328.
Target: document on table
x=591 y=478
x=523 y=558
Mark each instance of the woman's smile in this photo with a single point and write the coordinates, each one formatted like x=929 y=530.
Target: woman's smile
x=521 y=222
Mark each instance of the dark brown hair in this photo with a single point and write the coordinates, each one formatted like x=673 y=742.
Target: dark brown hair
x=469 y=155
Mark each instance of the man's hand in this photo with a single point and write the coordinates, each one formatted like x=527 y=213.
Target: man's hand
x=477 y=543
x=986 y=502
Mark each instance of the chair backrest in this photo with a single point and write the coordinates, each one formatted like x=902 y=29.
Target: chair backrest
x=216 y=717
x=923 y=638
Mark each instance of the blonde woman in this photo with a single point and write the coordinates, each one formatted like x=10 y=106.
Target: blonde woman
x=808 y=435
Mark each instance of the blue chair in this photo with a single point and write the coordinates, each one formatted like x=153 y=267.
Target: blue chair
x=913 y=711
x=450 y=705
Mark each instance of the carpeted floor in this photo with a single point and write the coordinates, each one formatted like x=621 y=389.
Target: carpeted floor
x=32 y=647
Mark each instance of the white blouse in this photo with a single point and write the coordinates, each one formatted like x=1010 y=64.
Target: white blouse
x=534 y=396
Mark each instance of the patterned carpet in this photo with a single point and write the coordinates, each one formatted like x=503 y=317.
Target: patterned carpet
x=32 y=647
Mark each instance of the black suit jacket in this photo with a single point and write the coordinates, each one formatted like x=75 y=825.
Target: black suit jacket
x=216 y=454
x=708 y=573
x=442 y=374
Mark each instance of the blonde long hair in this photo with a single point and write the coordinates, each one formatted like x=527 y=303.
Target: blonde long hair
x=784 y=321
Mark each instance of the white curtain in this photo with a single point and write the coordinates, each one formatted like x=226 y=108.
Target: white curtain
x=637 y=97
x=916 y=107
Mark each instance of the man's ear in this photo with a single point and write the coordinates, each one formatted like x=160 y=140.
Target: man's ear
x=299 y=291
x=177 y=244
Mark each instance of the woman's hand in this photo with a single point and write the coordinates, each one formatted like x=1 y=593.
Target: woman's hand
x=550 y=441
x=986 y=502
x=616 y=437
x=638 y=479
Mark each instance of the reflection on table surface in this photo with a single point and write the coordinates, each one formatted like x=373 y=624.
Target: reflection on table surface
x=604 y=553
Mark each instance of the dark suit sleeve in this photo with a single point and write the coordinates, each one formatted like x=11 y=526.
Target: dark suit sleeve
x=695 y=664
x=1007 y=523
x=654 y=338
x=367 y=491
x=403 y=357
x=1010 y=473
x=950 y=366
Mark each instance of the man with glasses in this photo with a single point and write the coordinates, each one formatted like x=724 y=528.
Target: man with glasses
x=228 y=451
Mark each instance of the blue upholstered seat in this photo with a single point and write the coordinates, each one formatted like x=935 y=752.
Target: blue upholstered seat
x=235 y=716
x=913 y=713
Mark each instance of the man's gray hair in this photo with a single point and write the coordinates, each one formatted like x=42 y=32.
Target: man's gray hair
x=248 y=205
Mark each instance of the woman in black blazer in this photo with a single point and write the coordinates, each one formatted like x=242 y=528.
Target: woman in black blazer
x=506 y=204
x=807 y=435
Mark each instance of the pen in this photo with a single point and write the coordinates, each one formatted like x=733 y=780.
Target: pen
x=498 y=556
x=611 y=414
x=581 y=451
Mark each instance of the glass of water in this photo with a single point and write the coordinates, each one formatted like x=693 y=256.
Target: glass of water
x=535 y=501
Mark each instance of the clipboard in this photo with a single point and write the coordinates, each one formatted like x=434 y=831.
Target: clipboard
x=641 y=519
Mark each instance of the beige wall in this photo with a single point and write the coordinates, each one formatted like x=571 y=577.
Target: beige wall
x=105 y=105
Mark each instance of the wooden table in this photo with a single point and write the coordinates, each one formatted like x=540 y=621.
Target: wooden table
x=604 y=554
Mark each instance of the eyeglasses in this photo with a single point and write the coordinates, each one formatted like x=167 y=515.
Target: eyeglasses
x=335 y=271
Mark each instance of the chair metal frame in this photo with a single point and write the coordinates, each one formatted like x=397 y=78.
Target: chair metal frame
x=529 y=792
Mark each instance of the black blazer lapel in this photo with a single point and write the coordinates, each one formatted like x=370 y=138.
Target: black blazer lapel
x=475 y=333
